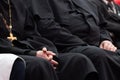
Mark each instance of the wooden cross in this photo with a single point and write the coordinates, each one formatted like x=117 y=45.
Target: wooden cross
x=11 y=37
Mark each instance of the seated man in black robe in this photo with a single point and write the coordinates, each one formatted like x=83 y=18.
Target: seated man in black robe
x=72 y=20
x=29 y=44
x=37 y=68
x=18 y=69
x=111 y=12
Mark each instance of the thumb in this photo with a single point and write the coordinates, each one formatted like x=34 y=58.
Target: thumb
x=101 y=45
x=44 y=49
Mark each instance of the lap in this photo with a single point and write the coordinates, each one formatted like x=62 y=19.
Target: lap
x=94 y=52
x=72 y=64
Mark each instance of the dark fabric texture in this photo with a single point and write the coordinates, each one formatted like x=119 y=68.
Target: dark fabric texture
x=68 y=68
x=38 y=69
x=112 y=19
x=18 y=70
x=106 y=62
x=24 y=28
x=85 y=20
x=27 y=43
x=79 y=17
x=74 y=66
x=51 y=30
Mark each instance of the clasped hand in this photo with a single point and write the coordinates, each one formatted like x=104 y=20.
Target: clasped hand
x=108 y=45
x=48 y=55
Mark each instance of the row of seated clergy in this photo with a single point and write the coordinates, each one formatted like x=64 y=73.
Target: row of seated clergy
x=17 y=21
x=86 y=23
x=112 y=25
x=111 y=12
x=74 y=66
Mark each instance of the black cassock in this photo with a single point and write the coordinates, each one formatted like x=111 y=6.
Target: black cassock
x=77 y=17
x=82 y=19
x=71 y=66
x=112 y=19
x=36 y=68
x=68 y=68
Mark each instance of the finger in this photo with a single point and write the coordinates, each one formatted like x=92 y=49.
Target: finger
x=101 y=46
x=114 y=49
x=40 y=54
x=50 y=57
x=45 y=56
x=50 y=53
x=53 y=62
x=44 y=49
x=109 y=47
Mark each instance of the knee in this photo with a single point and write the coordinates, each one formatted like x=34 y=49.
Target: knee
x=80 y=58
x=39 y=63
x=96 y=53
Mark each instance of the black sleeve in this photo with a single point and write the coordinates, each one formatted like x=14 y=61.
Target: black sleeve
x=8 y=47
x=105 y=35
x=60 y=36
x=51 y=30
x=33 y=37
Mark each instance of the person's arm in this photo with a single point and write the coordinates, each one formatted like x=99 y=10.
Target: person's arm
x=7 y=47
x=105 y=38
x=49 y=29
x=33 y=37
x=60 y=36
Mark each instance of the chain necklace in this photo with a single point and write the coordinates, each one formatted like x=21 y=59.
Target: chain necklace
x=10 y=37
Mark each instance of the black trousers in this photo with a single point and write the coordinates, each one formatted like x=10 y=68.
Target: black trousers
x=18 y=70
x=106 y=62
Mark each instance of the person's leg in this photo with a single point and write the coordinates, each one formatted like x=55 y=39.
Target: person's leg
x=38 y=69
x=18 y=70
x=107 y=63
x=74 y=66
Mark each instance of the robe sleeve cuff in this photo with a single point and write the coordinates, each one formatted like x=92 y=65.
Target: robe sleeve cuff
x=32 y=53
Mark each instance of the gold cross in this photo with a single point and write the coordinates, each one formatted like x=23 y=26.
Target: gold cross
x=11 y=37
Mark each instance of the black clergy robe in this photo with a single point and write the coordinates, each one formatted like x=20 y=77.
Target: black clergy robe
x=112 y=19
x=81 y=19
x=24 y=30
x=71 y=65
x=70 y=19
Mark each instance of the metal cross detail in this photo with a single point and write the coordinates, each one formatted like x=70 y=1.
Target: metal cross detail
x=11 y=37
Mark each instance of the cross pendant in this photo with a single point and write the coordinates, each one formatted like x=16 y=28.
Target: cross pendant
x=11 y=37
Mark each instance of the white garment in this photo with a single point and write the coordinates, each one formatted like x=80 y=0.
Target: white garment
x=6 y=63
